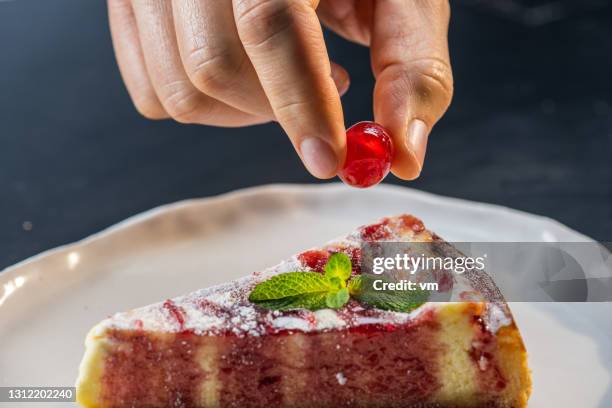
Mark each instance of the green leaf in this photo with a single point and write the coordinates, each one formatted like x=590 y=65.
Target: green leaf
x=307 y=290
x=337 y=283
x=310 y=301
x=290 y=284
x=362 y=289
x=355 y=285
x=338 y=266
x=338 y=299
x=293 y=290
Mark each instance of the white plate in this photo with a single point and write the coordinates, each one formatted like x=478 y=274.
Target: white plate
x=48 y=302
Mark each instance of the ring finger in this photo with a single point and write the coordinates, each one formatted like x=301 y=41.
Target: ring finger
x=179 y=97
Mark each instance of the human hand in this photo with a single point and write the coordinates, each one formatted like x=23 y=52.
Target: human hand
x=243 y=62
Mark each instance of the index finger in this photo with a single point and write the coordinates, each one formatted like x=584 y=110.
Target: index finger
x=284 y=41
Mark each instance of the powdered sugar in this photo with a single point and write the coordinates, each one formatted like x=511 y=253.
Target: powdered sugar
x=226 y=309
x=291 y=323
x=327 y=319
x=497 y=316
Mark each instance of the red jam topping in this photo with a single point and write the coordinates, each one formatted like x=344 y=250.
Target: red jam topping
x=176 y=312
x=375 y=232
x=369 y=152
x=413 y=223
x=355 y=255
x=314 y=260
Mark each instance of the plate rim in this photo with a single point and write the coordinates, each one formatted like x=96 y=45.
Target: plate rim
x=174 y=209
x=275 y=188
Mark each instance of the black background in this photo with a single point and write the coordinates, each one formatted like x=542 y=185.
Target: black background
x=530 y=126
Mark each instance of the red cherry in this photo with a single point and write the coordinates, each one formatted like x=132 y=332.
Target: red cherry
x=369 y=151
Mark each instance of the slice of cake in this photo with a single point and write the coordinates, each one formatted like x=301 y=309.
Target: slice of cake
x=217 y=348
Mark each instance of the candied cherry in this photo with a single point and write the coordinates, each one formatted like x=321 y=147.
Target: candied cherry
x=369 y=151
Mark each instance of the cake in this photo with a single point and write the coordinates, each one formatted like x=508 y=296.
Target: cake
x=217 y=348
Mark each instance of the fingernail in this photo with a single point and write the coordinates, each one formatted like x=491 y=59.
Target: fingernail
x=342 y=81
x=343 y=87
x=319 y=157
x=416 y=140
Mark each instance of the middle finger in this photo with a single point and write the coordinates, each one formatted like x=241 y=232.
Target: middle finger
x=213 y=56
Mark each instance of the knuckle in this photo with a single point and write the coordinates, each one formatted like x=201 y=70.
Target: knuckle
x=181 y=104
x=149 y=108
x=295 y=112
x=259 y=21
x=426 y=82
x=211 y=71
x=290 y=108
x=434 y=80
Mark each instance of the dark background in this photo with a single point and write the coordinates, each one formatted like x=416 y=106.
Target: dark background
x=530 y=126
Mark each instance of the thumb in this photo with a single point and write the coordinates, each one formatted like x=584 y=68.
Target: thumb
x=414 y=83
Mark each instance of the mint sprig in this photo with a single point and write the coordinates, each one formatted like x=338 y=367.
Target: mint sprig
x=293 y=290
x=335 y=300
x=338 y=266
x=333 y=289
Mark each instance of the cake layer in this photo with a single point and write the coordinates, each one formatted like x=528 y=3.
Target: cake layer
x=214 y=348
x=443 y=357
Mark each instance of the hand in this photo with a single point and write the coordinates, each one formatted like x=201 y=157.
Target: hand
x=243 y=62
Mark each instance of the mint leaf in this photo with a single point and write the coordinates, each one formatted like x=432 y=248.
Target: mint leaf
x=355 y=285
x=362 y=289
x=338 y=266
x=290 y=284
x=338 y=299
x=307 y=290
x=293 y=290
x=337 y=283
x=310 y=301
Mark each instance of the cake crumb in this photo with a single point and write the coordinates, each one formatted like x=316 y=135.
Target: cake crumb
x=341 y=378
